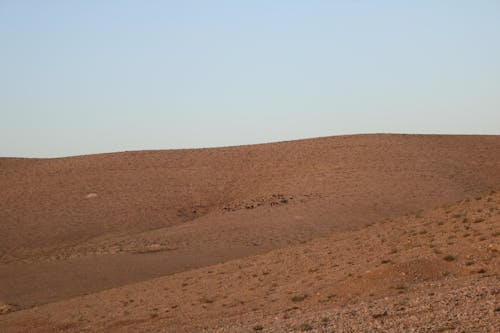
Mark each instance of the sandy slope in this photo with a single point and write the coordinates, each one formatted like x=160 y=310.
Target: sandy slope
x=434 y=271
x=78 y=225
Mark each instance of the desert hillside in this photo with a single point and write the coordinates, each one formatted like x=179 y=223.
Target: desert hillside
x=79 y=225
x=437 y=271
x=70 y=200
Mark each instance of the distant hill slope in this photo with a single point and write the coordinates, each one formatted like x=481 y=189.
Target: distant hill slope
x=69 y=200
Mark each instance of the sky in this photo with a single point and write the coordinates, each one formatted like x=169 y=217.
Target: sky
x=81 y=77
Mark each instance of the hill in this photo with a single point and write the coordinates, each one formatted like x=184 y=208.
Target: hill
x=78 y=225
x=436 y=271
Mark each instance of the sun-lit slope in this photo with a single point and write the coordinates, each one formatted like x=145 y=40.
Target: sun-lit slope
x=436 y=270
x=69 y=200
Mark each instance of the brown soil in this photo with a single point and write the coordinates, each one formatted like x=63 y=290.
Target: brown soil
x=80 y=225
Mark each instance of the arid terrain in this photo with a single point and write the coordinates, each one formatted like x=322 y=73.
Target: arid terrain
x=362 y=233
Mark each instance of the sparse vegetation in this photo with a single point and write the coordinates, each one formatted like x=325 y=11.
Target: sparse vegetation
x=379 y=315
x=299 y=298
x=305 y=327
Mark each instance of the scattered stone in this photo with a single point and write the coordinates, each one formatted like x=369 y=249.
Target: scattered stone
x=6 y=308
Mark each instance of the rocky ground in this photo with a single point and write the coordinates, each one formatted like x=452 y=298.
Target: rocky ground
x=433 y=271
x=80 y=225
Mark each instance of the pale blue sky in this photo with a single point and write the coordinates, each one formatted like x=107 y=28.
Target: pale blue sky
x=80 y=77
